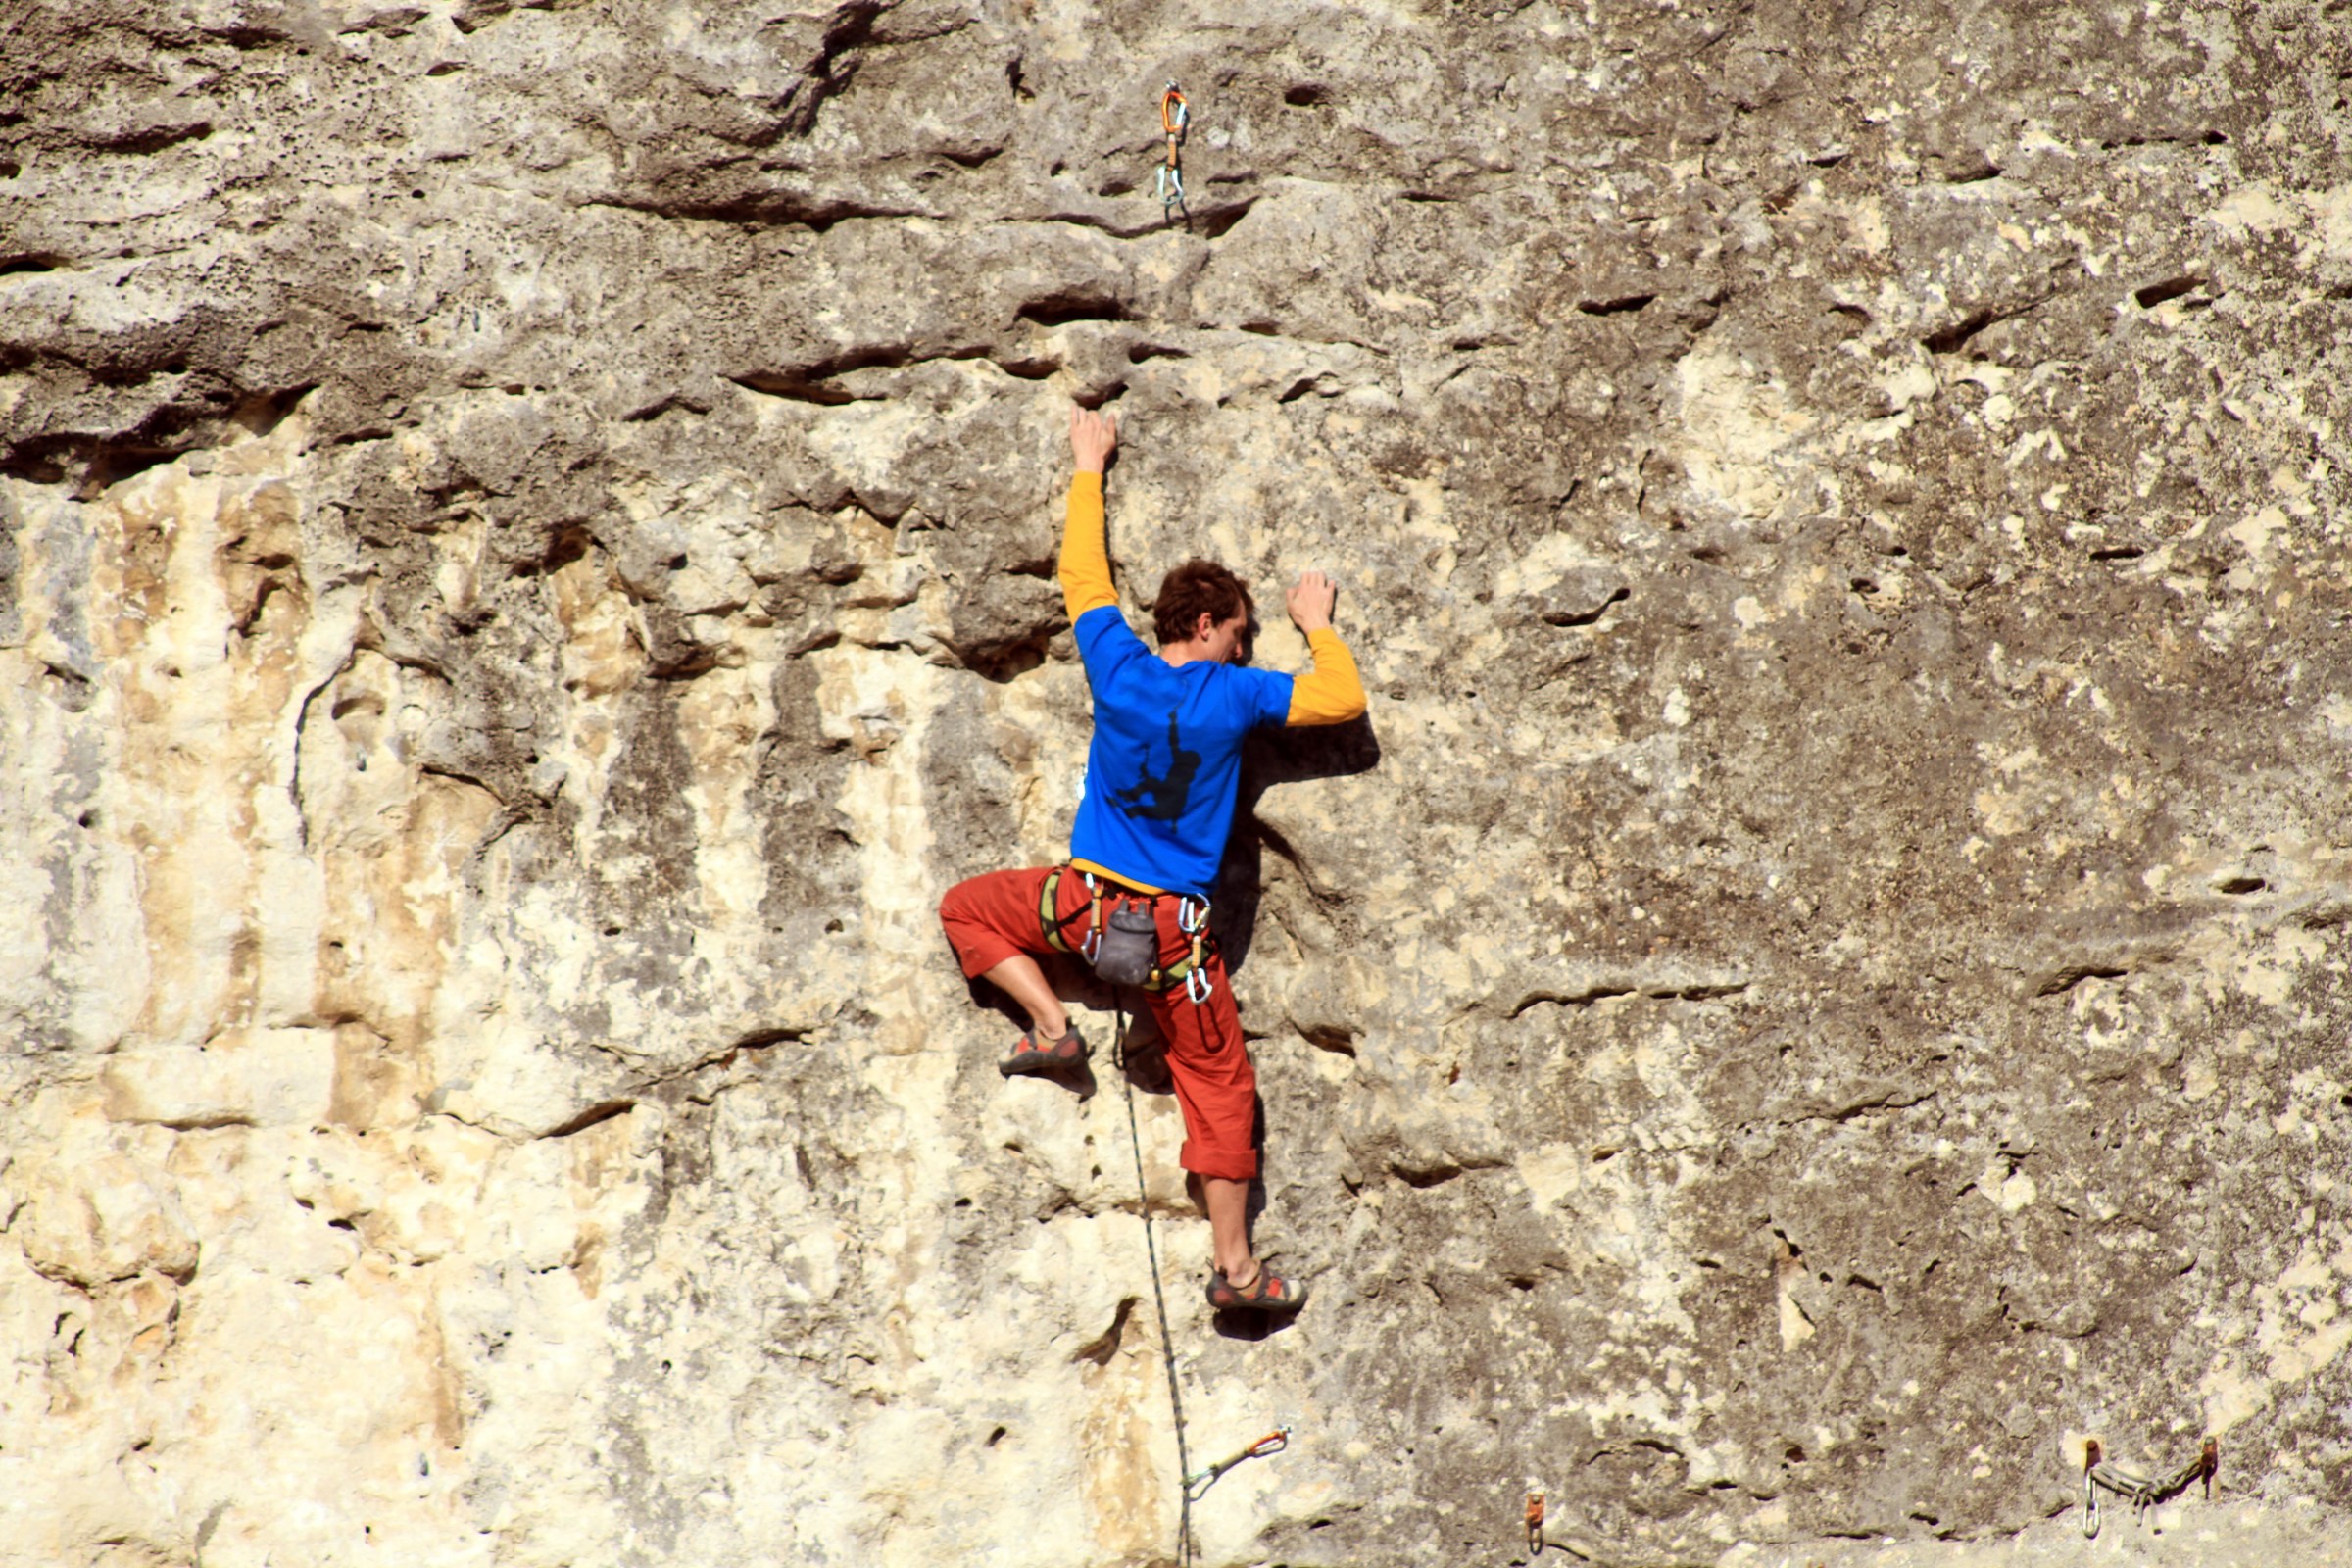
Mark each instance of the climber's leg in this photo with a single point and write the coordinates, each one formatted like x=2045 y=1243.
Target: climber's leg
x=992 y=923
x=1216 y=1089
x=1228 y=1205
x=1020 y=978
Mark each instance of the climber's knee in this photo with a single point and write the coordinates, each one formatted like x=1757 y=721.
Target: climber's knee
x=991 y=918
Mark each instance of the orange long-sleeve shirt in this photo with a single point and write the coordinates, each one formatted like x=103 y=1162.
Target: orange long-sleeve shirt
x=1333 y=694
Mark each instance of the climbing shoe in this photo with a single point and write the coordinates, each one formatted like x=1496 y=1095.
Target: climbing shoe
x=1268 y=1292
x=1056 y=1055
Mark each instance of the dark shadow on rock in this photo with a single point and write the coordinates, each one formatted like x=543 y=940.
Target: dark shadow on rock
x=1253 y=1327
x=1143 y=1056
x=1277 y=756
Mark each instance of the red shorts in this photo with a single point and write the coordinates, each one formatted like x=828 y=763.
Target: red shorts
x=991 y=917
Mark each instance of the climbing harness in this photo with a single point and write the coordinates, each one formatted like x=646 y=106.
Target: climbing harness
x=1175 y=118
x=1534 y=1524
x=1124 y=949
x=1197 y=1485
x=1051 y=921
x=2136 y=1486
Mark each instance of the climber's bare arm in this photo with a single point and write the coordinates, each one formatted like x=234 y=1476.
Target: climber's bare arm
x=1085 y=561
x=1334 y=693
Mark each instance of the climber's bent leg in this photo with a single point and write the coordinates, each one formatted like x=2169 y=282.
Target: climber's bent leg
x=1020 y=978
x=992 y=923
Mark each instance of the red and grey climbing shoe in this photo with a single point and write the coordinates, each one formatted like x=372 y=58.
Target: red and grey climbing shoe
x=1057 y=1056
x=1268 y=1292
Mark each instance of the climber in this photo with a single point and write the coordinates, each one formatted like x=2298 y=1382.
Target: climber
x=1158 y=793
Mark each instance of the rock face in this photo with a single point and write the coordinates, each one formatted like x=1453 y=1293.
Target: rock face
x=525 y=568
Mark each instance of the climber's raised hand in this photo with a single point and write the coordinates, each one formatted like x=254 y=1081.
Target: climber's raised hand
x=1091 y=436
x=1310 y=602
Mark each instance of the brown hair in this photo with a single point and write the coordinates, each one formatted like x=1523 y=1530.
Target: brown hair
x=1192 y=590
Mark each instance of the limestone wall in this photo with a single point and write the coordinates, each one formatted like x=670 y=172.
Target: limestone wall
x=525 y=567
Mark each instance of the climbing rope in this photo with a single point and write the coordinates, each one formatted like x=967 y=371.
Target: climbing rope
x=2136 y=1486
x=1159 y=1300
x=1175 y=119
x=1197 y=1485
x=1196 y=1482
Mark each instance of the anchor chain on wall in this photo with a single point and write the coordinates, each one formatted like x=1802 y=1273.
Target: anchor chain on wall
x=2138 y=1487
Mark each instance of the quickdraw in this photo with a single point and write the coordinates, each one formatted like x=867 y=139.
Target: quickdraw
x=1534 y=1524
x=1192 y=917
x=1175 y=118
x=2136 y=1484
x=1197 y=1485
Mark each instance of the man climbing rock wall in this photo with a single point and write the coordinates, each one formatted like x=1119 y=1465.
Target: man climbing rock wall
x=1137 y=898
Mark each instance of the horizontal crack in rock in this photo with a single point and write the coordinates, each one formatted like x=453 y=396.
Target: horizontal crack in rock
x=1885 y=1100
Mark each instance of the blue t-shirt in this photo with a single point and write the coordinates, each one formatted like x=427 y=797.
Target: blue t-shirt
x=1165 y=767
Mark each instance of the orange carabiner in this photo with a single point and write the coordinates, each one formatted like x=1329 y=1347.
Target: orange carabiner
x=1175 y=116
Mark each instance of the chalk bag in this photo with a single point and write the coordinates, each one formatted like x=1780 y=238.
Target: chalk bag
x=1128 y=954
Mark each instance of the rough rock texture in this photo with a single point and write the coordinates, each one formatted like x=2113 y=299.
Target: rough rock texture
x=525 y=539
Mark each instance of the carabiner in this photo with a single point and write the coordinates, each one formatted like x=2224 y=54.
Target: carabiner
x=2092 y=1454
x=1094 y=925
x=1175 y=119
x=1191 y=915
x=1196 y=987
x=1173 y=124
x=1197 y=1485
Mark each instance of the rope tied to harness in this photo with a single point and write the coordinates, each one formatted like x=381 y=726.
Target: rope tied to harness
x=1197 y=1485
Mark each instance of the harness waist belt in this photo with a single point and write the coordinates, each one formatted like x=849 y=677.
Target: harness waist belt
x=1050 y=922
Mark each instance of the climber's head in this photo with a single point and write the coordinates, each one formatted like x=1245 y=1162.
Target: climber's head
x=1204 y=611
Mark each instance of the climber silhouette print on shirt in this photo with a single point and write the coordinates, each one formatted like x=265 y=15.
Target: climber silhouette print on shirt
x=1170 y=791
